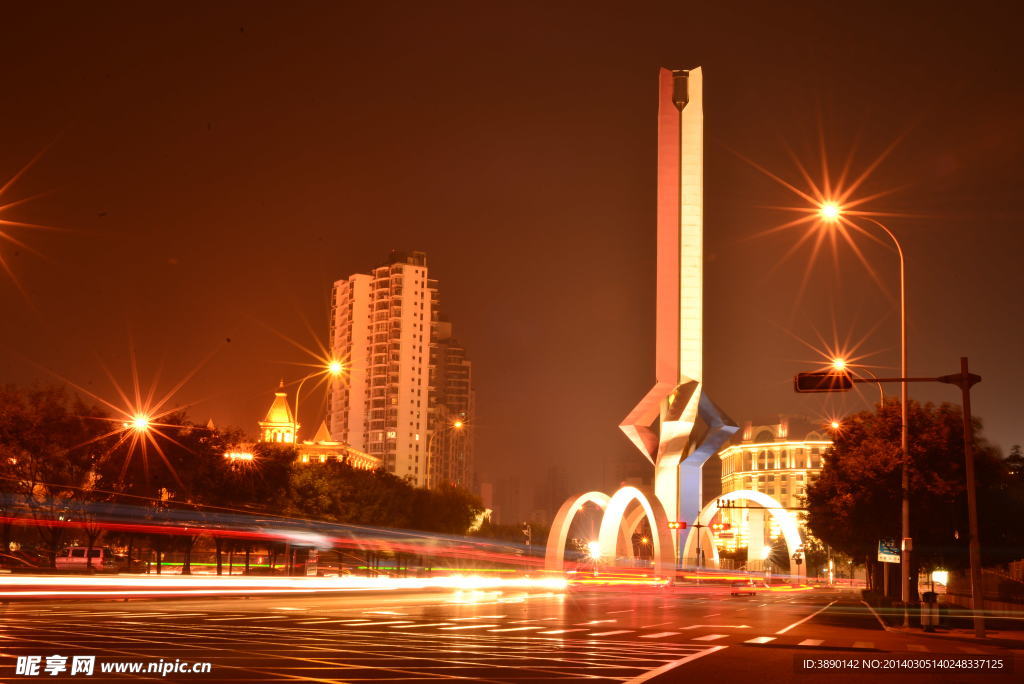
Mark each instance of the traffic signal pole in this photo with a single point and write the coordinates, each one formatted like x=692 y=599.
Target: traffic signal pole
x=842 y=381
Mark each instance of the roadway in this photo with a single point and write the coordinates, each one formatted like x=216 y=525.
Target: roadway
x=599 y=634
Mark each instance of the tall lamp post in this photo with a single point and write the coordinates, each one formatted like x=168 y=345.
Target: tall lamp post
x=332 y=368
x=831 y=212
x=456 y=424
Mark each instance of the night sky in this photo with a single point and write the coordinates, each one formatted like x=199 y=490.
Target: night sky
x=215 y=166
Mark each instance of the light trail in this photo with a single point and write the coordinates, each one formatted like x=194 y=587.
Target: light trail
x=50 y=586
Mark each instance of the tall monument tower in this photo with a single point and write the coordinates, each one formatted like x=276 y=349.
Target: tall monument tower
x=676 y=426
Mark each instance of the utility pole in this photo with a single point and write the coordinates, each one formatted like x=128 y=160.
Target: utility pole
x=965 y=380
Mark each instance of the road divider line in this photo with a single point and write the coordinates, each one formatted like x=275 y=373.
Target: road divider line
x=759 y=640
x=658 y=635
x=469 y=627
x=800 y=622
x=561 y=631
x=614 y=631
x=811 y=642
x=513 y=629
x=710 y=637
x=876 y=615
x=428 y=624
x=387 y=622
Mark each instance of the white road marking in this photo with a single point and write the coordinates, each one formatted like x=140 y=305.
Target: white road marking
x=810 y=642
x=710 y=637
x=863 y=644
x=617 y=631
x=800 y=622
x=469 y=627
x=916 y=647
x=760 y=640
x=561 y=631
x=668 y=667
x=657 y=624
x=250 y=617
x=387 y=622
x=876 y=615
x=593 y=622
x=513 y=629
x=428 y=624
x=613 y=612
x=382 y=612
x=658 y=635
x=712 y=615
x=717 y=626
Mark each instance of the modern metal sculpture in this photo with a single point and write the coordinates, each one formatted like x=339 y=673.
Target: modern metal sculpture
x=675 y=426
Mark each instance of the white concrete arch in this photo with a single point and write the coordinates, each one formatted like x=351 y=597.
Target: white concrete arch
x=612 y=525
x=786 y=519
x=554 y=555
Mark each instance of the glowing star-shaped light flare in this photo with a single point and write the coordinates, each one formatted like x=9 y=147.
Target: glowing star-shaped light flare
x=829 y=208
x=138 y=423
x=7 y=223
x=830 y=211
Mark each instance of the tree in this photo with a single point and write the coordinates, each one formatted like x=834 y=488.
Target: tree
x=856 y=499
x=51 y=449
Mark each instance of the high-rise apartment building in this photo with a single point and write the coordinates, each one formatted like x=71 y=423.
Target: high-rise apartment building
x=451 y=405
x=385 y=327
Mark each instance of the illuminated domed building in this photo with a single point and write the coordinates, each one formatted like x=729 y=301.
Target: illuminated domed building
x=280 y=427
x=777 y=460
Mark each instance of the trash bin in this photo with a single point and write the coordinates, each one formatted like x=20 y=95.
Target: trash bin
x=929 y=611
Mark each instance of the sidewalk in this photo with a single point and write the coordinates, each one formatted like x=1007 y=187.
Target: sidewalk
x=1013 y=639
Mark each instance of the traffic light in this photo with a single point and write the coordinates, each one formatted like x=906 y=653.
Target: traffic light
x=673 y=525
x=721 y=527
x=823 y=381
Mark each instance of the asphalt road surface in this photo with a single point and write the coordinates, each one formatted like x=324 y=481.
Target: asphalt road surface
x=646 y=634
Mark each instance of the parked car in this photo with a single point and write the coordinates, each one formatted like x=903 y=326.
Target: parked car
x=78 y=558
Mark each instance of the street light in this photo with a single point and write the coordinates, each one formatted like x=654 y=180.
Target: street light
x=333 y=368
x=139 y=423
x=831 y=212
x=457 y=424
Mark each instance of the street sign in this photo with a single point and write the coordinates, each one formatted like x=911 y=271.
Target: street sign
x=888 y=551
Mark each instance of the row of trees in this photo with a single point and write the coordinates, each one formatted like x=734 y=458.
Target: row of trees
x=67 y=467
x=856 y=499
